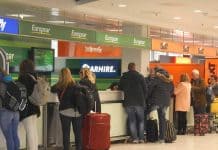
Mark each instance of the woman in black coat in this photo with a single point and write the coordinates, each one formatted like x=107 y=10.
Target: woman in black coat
x=160 y=90
x=65 y=88
x=29 y=115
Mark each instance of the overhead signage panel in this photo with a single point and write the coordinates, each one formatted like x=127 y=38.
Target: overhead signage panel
x=9 y=25
x=103 y=68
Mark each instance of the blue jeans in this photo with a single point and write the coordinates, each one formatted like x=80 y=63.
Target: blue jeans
x=77 y=129
x=136 y=119
x=162 y=121
x=9 y=121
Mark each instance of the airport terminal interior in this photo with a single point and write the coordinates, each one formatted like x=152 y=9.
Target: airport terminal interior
x=170 y=43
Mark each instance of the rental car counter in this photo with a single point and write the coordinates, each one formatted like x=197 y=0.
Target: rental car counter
x=49 y=126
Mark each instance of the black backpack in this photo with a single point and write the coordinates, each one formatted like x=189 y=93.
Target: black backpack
x=85 y=100
x=15 y=98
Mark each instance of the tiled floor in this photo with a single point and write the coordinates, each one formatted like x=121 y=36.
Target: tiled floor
x=189 y=142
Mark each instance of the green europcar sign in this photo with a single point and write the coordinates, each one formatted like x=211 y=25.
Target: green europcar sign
x=123 y=40
x=56 y=32
x=41 y=30
x=81 y=35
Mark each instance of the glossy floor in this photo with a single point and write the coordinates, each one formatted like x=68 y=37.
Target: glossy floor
x=188 y=142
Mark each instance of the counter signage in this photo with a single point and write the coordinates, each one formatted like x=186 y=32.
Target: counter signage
x=41 y=30
x=91 y=50
x=57 y=32
x=140 y=42
x=123 y=40
x=106 y=68
x=210 y=68
x=81 y=35
x=9 y=25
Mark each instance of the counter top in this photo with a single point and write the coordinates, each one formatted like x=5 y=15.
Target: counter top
x=105 y=96
x=111 y=95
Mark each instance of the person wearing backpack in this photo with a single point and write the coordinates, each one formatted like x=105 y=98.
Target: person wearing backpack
x=87 y=78
x=9 y=120
x=65 y=88
x=29 y=115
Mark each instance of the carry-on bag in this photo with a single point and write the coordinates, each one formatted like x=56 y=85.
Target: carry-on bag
x=151 y=130
x=170 y=134
x=96 y=131
x=201 y=124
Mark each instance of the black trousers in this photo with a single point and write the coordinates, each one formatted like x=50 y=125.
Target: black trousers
x=77 y=129
x=182 y=121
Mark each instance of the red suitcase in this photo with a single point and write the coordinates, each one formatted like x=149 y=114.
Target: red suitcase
x=96 y=131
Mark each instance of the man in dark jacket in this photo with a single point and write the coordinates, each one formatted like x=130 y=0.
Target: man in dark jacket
x=135 y=91
x=160 y=90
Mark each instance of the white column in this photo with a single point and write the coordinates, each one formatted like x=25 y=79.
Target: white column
x=140 y=57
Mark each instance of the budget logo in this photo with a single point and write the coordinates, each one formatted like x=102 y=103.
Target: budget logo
x=2 y=24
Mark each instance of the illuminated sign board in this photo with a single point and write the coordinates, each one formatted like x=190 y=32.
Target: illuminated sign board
x=103 y=68
x=9 y=25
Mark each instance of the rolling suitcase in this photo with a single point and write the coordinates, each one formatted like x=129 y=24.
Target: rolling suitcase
x=170 y=134
x=201 y=124
x=151 y=130
x=96 y=131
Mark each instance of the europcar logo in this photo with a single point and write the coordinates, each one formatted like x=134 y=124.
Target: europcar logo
x=100 y=68
x=2 y=24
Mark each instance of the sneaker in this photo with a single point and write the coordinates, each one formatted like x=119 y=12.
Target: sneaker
x=161 y=141
x=135 y=141
x=142 y=141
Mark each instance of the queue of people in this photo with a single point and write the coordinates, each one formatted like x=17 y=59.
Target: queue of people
x=68 y=94
x=141 y=96
x=155 y=93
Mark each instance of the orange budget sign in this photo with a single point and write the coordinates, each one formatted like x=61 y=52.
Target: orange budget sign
x=211 y=68
x=90 y=50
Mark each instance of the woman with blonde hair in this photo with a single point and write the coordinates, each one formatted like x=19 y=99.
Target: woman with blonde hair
x=88 y=79
x=65 y=88
x=183 y=100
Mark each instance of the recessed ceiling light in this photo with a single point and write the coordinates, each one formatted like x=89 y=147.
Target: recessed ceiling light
x=216 y=27
x=60 y=22
x=197 y=11
x=177 y=18
x=122 y=5
x=20 y=15
x=55 y=11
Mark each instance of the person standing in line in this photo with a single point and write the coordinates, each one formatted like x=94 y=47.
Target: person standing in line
x=160 y=90
x=9 y=120
x=209 y=92
x=66 y=90
x=29 y=115
x=198 y=93
x=132 y=83
x=88 y=79
x=183 y=101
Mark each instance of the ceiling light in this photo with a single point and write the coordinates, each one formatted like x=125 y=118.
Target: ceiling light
x=177 y=18
x=60 y=22
x=20 y=15
x=122 y=5
x=55 y=11
x=216 y=27
x=197 y=11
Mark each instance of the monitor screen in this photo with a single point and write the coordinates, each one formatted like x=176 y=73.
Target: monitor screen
x=43 y=59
